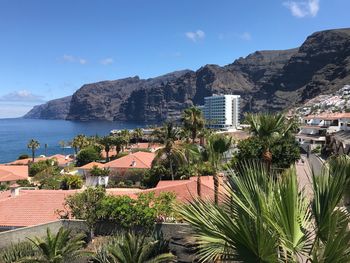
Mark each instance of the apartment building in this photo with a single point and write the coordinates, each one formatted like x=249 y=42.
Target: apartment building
x=222 y=111
x=314 y=128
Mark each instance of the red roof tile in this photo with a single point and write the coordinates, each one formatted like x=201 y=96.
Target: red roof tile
x=61 y=159
x=91 y=165
x=140 y=160
x=32 y=207
x=10 y=173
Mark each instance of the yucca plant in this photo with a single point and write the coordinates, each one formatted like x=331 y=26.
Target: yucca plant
x=132 y=248
x=16 y=252
x=267 y=218
x=59 y=248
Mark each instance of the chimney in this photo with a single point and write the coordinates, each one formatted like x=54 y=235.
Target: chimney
x=133 y=163
x=14 y=190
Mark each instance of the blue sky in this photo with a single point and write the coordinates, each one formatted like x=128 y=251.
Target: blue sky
x=48 y=49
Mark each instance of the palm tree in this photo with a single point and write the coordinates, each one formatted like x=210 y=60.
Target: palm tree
x=62 y=144
x=193 y=121
x=267 y=219
x=215 y=148
x=33 y=145
x=132 y=248
x=194 y=158
x=107 y=142
x=137 y=134
x=126 y=134
x=57 y=248
x=268 y=128
x=119 y=142
x=79 y=142
x=170 y=152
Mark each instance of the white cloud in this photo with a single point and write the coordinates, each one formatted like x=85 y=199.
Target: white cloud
x=21 y=96
x=196 y=35
x=73 y=59
x=107 y=61
x=246 y=36
x=303 y=8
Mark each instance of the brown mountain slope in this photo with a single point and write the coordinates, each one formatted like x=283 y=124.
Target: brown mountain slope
x=266 y=80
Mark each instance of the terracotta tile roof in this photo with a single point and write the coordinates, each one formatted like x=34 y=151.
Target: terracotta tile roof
x=10 y=173
x=32 y=207
x=186 y=190
x=91 y=165
x=329 y=116
x=61 y=159
x=140 y=160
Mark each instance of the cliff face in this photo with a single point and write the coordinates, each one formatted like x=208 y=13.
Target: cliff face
x=53 y=110
x=266 y=80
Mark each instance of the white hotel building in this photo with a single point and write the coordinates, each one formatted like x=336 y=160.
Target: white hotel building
x=222 y=111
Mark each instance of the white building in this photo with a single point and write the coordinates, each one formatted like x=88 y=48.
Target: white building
x=314 y=128
x=222 y=111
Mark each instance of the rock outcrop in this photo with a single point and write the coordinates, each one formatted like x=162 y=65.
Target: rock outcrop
x=52 y=110
x=266 y=80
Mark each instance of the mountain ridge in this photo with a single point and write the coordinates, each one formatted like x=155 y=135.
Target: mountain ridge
x=267 y=80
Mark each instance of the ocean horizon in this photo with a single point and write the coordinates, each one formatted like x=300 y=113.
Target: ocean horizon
x=15 y=134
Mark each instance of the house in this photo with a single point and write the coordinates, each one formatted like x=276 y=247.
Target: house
x=62 y=160
x=93 y=180
x=314 y=128
x=22 y=207
x=137 y=160
x=9 y=174
x=338 y=143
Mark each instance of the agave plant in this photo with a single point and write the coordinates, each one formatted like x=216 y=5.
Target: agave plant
x=16 y=252
x=59 y=248
x=264 y=219
x=133 y=248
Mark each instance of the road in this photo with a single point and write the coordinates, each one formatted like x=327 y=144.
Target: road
x=315 y=164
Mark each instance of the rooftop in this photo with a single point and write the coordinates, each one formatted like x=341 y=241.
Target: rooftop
x=32 y=207
x=10 y=173
x=61 y=159
x=140 y=160
x=330 y=116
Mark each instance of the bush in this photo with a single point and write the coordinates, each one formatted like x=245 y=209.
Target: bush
x=185 y=172
x=23 y=156
x=316 y=150
x=3 y=187
x=134 y=175
x=24 y=183
x=153 y=176
x=16 y=252
x=206 y=169
x=140 y=213
x=285 y=151
x=41 y=166
x=71 y=182
x=88 y=155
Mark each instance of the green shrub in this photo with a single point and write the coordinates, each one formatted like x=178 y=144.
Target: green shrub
x=206 y=169
x=41 y=166
x=88 y=155
x=71 y=182
x=23 y=156
x=153 y=176
x=24 y=183
x=4 y=187
x=16 y=252
x=142 y=212
x=285 y=151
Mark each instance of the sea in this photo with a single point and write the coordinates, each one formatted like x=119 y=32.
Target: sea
x=16 y=133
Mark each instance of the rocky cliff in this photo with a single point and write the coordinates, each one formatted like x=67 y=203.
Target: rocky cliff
x=53 y=110
x=266 y=80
